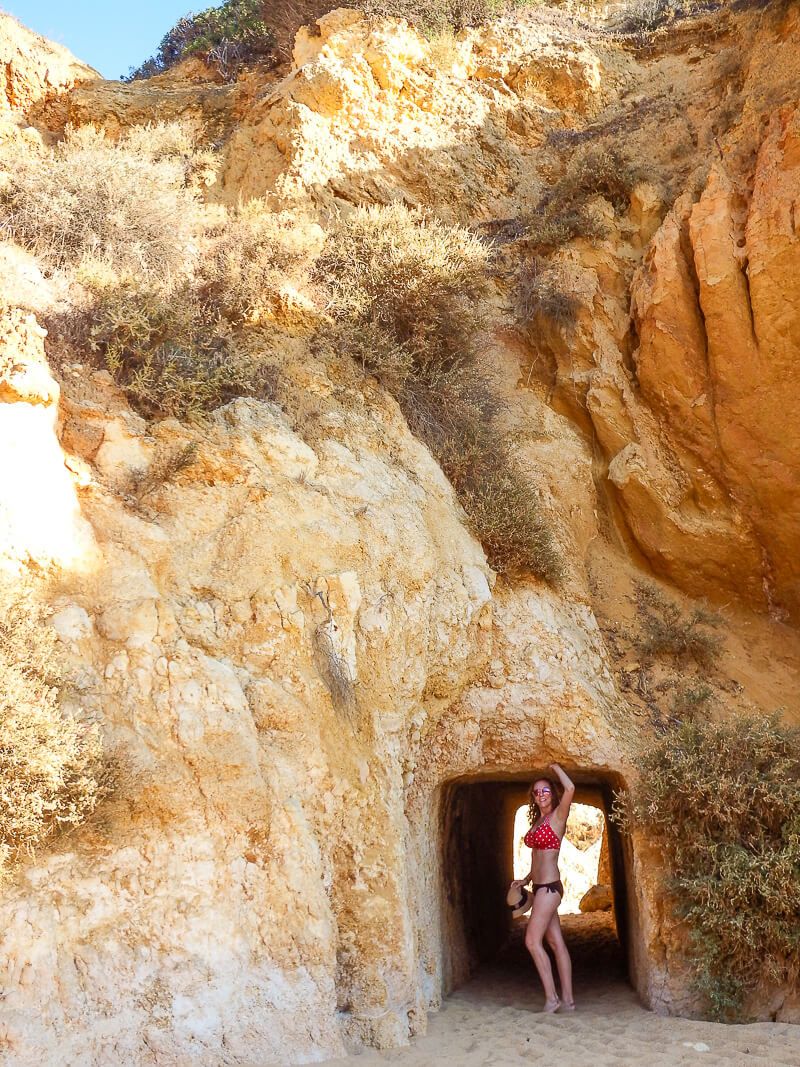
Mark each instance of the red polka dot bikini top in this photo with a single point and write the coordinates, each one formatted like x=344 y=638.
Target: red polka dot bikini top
x=542 y=838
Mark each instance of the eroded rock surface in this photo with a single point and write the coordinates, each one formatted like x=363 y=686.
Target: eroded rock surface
x=294 y=641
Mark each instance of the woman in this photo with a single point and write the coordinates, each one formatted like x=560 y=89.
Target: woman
x=549 y=809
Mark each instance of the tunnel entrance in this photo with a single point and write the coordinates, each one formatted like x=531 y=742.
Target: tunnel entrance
x=480 y=834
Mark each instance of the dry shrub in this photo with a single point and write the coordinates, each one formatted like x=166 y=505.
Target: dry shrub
x=433 y=17
x=564 y=212
x=666 y=631
x=553 y=225
x=542 y=293
x=249 y=259
x=722 y=803
x=644 y=16
x=690 y=700
x=89 y=197
x=599 y=171
x=52 y=771
x=406 y=294
x=176 y=142
x=172 y=352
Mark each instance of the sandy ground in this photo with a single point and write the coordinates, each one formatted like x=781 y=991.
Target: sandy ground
x=496 y=1021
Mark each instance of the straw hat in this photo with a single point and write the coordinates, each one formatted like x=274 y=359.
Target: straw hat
x=519 y=899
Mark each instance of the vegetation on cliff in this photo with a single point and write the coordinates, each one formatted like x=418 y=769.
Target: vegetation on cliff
x=52 y=768
x=721 y=801
x=228 y=36
x=173 y=300
x=406 y=295
x=239 y=33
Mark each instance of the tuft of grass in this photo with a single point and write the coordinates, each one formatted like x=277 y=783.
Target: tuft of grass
x=406 y=295
x=172 y=352
x=666 y=631
x=733 y=871
x=52 y=767
x=87 y=197
x=166 y=465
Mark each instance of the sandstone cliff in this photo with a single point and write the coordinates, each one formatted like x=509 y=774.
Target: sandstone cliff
x=293 y=639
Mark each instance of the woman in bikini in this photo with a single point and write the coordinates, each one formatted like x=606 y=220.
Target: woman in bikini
x=549 y=808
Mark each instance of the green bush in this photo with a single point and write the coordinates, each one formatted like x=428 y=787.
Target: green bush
x=90 y=198
x=228 y=36
x=406 y=295
x=722 y=803
x=172 y=352
x=52 y=770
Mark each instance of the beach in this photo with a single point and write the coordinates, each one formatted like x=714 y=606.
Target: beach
x=496 y=1021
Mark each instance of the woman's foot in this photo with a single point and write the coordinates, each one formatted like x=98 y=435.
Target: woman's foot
x=567 y=1005
x=551 y=1006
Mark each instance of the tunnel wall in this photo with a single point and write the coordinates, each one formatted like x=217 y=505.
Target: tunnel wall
x=476 y=836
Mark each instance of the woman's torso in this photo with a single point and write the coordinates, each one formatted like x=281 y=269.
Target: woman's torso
x=544 y=861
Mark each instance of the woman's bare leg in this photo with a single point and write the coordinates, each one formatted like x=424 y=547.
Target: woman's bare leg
x=555 y=940
x=544 y=907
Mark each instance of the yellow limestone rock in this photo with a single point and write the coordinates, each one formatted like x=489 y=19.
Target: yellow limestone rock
x=34 y=69
x=40 y=518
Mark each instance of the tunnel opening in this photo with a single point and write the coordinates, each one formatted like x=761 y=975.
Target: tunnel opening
x=482 y=821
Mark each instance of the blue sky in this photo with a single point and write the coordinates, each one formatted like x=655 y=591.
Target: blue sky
x=110 y=38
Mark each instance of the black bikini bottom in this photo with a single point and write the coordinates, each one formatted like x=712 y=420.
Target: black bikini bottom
x=551 y=887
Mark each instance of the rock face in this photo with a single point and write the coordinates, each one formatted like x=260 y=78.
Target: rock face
x=245 y=819
x=716 y=364
x=318 y=687
x=35 y=70
x=371 y=114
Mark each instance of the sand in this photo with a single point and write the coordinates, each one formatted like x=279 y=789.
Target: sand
x=496 y=1021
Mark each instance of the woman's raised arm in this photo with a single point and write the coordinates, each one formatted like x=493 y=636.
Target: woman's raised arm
x=569 y=790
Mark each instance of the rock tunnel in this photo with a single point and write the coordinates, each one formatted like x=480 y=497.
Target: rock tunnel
x=477 y=815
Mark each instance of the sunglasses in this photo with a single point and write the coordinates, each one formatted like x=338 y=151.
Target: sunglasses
x=542 y=792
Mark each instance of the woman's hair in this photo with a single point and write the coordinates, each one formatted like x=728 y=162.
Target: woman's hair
x=534 y=812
